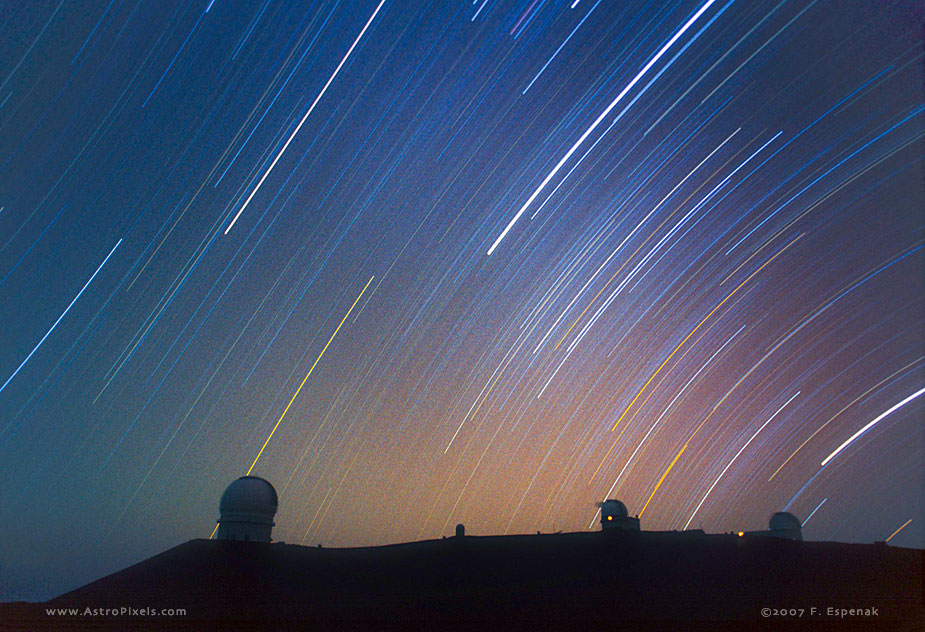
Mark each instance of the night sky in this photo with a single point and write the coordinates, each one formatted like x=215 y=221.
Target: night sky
x=485 y=262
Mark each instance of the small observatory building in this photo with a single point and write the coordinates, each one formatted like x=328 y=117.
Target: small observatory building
x=614 y=517
x=247 y=509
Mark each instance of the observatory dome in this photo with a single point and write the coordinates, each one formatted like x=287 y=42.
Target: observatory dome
x=250 y=495
x=615 y=517
x=614 y=508
x=783 y=521
x=247 y=508
x=785 y=525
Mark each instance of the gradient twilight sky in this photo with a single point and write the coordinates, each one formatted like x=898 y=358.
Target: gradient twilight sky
x=712 y=283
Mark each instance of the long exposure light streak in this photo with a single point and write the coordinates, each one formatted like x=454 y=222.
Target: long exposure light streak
x=305 y=379
x=843 y=409
x=904 y=525
x=63 y=314
x=597 y=122
x=662 y=479
x=694 y=330
x=618 y=248
x=305 y=117
x=728 y=465
x=813 y=512
x=870 y=425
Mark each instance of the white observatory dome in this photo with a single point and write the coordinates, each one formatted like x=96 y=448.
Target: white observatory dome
x=247 y=509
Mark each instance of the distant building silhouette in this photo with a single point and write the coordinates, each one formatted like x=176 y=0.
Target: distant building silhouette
x=615 y=517
x=783 y=524
x=247 y=509
x=460 y=530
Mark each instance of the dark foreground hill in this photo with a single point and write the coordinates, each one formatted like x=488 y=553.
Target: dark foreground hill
x=574 y=581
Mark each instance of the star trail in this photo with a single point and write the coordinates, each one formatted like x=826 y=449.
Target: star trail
x=423 y=263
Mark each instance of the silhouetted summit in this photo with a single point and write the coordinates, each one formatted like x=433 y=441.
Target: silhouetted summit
x=617 y=578
x=611 y=579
